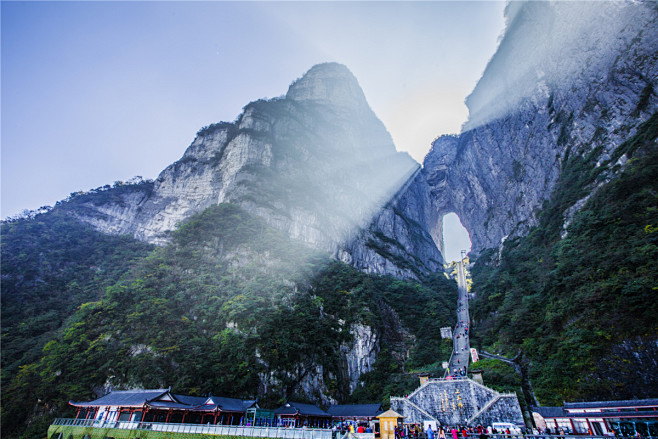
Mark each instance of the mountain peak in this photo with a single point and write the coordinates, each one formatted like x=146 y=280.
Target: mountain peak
x=330 y=82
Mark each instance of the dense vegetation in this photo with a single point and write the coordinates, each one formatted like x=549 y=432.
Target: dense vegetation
x=499 y=375
x=235 y=308
x=51 y=264
x=580 y=304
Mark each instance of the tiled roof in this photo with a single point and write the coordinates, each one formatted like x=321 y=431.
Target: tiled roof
x=232 y=404
x=291 y=408
x=137 y=398
x=550 y=412
x=355 y=410
x=615 y=414
x=170 y=405
x=390 y=414
x=612 y=404
x=191 y=400
x=126 y=398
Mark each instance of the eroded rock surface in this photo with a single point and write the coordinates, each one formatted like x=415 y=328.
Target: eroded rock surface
x=317 y=164
x=567 y=79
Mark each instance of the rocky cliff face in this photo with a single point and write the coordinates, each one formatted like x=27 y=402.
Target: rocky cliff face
x=402 y=238
x=356 y=358
x=317 y=164
x=567 y=79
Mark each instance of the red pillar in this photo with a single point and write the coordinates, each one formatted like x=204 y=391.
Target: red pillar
x=214 y=421
x=144 y=412
x=167 y=418
x=573 y=427
x=589 y=427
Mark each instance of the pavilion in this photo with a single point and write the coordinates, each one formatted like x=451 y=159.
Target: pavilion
x=160 y=405
x=297 y=414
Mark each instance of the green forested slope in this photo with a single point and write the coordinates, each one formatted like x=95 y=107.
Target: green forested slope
x=582 y=309
x=51 y=264
x=228 y=303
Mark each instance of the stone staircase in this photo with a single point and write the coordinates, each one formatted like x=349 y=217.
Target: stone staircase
x=483 y=409
x=457 y=402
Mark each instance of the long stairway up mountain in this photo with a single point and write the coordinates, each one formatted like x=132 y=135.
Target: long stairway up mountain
x=458 y=365
x=554 y=178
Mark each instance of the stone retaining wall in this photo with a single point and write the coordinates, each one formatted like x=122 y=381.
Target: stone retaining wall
x=456 y=402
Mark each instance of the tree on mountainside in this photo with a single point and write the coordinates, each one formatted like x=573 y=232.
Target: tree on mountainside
x=229 y=306
x=582 y=306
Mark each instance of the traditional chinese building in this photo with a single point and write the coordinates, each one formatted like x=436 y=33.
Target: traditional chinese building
x=160 y=405
x=623 y=418
x=297 y=414
x=355 y=412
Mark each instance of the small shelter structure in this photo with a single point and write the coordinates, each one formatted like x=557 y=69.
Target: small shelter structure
x=388 y=421
x=298 y=414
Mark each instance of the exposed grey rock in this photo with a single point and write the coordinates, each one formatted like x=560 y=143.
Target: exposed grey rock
x=316 y=164
x=319 y=165
x=636 y=357
x=357 y=357
x=360 y=354
x=404 y=237
x=568 y=78
x=458 y=402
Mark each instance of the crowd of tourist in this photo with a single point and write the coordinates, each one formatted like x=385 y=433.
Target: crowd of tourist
x=481 y=432
x=415 y=431
x=353 y=427
x=462 y=432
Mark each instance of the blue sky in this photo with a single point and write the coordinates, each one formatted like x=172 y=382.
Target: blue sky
x=94 y=92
